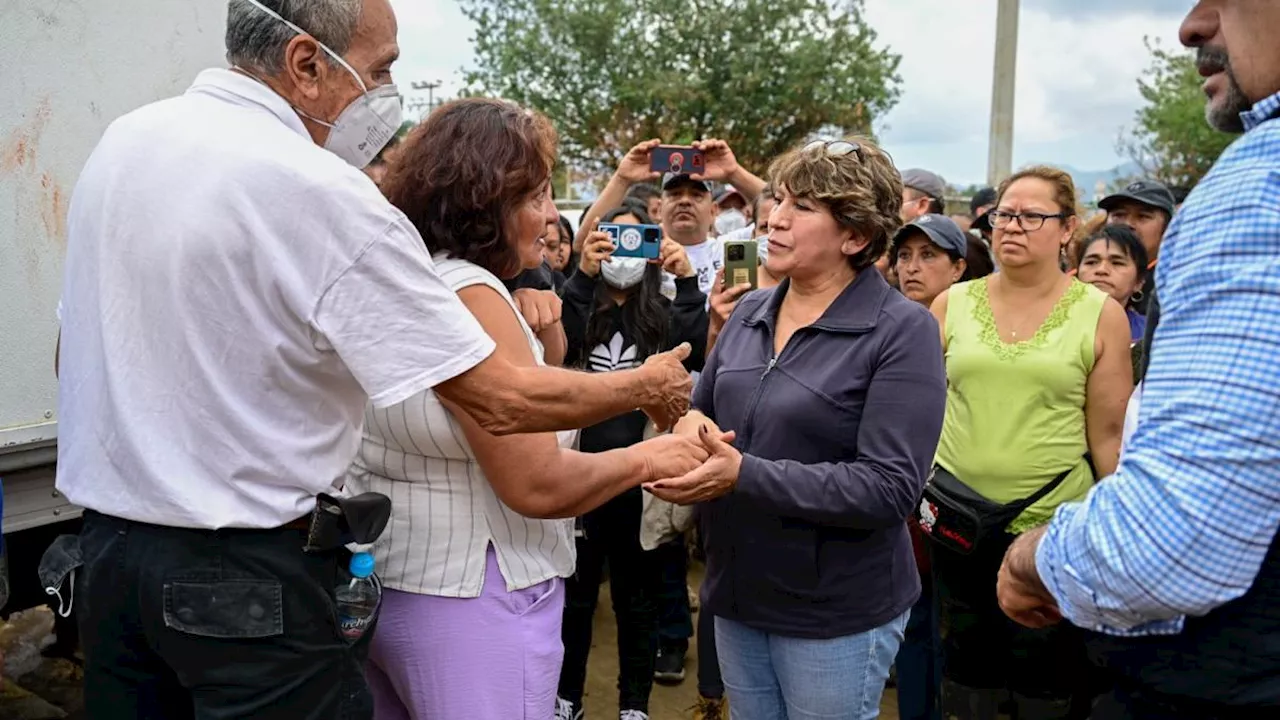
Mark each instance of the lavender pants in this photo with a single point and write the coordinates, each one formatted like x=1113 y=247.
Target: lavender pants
x=494 y=657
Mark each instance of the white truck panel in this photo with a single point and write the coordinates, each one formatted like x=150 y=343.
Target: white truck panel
x=67 y=69
x=70 y=68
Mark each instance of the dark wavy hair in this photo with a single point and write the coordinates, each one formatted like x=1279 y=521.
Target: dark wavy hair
x=646 y=311
x=462 y=174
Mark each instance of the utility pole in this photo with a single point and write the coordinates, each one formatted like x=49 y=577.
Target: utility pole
x=430 y=87
x=1000 y=150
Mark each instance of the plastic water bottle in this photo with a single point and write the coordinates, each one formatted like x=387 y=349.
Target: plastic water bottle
x=358 y=600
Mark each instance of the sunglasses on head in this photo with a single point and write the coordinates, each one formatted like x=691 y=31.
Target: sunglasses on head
x=836 y=148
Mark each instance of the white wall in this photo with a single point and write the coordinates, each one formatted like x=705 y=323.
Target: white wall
x=67 y=69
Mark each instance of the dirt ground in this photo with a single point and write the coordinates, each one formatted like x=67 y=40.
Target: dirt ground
x=53 y=689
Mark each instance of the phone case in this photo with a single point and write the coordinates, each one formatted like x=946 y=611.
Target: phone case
x=677 y=159
x=639 y=241
x=740 y=267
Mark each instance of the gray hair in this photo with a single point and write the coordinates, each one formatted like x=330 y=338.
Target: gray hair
x=256 y=41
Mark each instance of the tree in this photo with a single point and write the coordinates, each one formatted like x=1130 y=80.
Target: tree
x=762 y=74
x=1171 y=141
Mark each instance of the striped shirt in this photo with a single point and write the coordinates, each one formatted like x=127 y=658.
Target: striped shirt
x=1186 y=521
x=445 y=513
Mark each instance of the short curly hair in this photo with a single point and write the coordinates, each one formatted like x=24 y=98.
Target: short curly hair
x=461 y=175
x=861 y=189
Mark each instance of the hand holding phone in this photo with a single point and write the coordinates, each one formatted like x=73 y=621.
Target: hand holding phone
x=635 y=165
x=597 y=248
x=740 y=263
x=637 y=241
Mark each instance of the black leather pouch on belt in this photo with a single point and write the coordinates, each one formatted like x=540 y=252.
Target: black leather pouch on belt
x=338 y=521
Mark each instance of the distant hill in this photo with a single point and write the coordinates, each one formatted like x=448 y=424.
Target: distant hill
x=1087 y=180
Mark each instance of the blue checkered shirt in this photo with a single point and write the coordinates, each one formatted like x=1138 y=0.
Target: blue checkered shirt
x=1184 y=524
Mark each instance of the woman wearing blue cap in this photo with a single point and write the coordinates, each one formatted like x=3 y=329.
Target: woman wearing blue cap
x=929 y=256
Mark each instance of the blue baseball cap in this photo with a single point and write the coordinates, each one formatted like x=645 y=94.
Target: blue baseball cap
x=941 y=231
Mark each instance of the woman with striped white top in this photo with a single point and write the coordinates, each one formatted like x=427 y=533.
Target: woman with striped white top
x=471 y=562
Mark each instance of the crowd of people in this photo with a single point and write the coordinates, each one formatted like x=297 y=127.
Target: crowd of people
x=911 y=452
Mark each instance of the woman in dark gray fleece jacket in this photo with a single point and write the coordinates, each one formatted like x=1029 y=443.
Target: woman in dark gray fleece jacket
x=834 y=386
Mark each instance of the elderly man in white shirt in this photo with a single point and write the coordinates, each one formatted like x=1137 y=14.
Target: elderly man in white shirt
x=236 y=291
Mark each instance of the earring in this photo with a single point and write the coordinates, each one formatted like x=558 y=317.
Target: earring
x=1136 y=297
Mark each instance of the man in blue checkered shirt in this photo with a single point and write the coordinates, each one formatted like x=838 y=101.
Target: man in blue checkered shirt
x=1171 y=565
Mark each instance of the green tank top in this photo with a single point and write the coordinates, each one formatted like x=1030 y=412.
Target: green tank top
x=1015 y=411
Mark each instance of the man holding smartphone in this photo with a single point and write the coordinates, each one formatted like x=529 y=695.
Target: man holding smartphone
x=687 y=209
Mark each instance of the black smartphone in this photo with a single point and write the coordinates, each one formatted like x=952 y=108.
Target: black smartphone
x=678 y=159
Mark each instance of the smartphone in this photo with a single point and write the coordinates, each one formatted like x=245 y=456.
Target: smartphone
x=740 y=261
x=638 y=241
x=678 y=159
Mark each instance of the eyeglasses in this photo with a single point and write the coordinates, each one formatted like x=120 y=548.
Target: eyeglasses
x=1030 y=221
x=836 y=148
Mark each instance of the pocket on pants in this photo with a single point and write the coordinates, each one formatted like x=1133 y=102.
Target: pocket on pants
x=528 y=600
x=225 y=608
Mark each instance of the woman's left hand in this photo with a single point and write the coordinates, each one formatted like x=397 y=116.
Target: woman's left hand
x=717 y=476
x=674 y=259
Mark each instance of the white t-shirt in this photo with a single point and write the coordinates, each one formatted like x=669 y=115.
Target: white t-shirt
x=234 y=295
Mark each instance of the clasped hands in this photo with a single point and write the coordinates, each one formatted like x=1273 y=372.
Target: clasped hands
x=716 y=476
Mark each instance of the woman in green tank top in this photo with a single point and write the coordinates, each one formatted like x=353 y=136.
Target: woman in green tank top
x=1038 y=374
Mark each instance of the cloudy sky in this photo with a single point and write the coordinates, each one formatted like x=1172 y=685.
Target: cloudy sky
x=1078 y=61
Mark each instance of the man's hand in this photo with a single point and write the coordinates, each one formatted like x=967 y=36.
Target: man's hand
x=721 y=164
x=540 y=308
x=670 y=386
x=674 y=259
x=670 y=455
x=597 y=249
x=716 y=477
x=634 y=167
x=724 y=300
x=1021 y=594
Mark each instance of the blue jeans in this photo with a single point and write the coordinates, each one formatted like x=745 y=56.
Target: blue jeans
x=772 y=677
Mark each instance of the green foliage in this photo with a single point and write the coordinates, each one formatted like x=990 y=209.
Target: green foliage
x=761 y=74
x=1171 y=140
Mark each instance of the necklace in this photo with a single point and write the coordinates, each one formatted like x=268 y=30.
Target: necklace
x=1019 y=322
